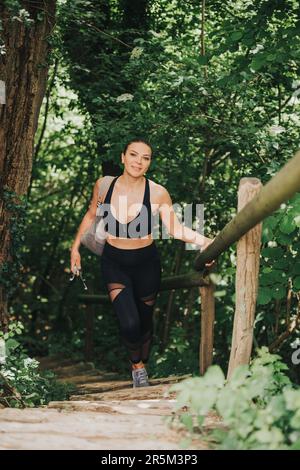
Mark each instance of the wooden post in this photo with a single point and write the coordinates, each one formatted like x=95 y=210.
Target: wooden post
x=247 y=270
x=89 y=332
x=207 y=327
x=169 y=311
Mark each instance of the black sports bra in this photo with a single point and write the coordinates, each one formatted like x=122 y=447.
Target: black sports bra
x=140 y=226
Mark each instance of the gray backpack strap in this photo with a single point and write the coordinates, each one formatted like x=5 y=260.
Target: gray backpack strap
x=104 y=185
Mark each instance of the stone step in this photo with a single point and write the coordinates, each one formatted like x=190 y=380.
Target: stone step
x=105 y=386
x=50 y=362
x=90 y=377
x=157 y=407
x=59 y=429
x=140 y=393
x=75 y=369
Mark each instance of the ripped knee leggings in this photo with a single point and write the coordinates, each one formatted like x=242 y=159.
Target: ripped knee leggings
x=132 y=278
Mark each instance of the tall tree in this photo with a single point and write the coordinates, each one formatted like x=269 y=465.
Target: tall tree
x=25 y=30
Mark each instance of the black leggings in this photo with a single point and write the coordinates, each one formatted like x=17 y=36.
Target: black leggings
x=132 y=278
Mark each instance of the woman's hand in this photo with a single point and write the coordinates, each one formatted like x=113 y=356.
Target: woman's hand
x=207 y=242
x=75 y=260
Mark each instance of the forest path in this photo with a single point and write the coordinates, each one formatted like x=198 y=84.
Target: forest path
x=105 y=413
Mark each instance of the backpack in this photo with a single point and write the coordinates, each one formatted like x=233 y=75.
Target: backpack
x=94 y=237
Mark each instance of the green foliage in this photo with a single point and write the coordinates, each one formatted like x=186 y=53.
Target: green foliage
x=21 y=381
x=13 y=5
x=280 y=267
x=258 y=407
x=18 y=13
x=177 y=358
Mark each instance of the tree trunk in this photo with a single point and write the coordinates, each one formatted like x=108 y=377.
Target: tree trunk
x=24 y=70
x=207 y=327
x=168 y=318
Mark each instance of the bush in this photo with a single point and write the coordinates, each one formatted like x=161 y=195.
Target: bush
x=258 y=406
x=21 y=382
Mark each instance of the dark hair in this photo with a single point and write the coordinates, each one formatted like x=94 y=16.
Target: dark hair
x=138 y=140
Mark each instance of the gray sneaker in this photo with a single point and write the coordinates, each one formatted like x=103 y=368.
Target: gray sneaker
x=140 y=377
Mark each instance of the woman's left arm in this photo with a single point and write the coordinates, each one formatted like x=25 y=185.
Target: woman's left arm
x=174 y=227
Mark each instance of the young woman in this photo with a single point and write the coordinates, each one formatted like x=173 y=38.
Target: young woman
x=130 y=262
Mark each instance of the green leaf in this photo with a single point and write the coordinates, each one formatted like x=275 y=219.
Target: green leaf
x=200 y=420
x=265 y=435
x=257 y=63
x=275 y=276
x=12 y=344
x=271 y=222
x=295 y=445
x=267 y=234
x=281 y=264
x=236 y=35
x=203 y=60
x=264 y=295
x=187 y=420
x=279 y=292
x=297 y=220
x=239 y=375
x=296 y=283
x=284 y=239
x=214 y=376
x=295 y=271
x=273 y=253
x=287 y=224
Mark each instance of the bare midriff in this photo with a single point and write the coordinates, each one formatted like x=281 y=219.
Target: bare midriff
x=129 y=243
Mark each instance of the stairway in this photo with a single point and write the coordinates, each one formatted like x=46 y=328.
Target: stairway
x=104 y=412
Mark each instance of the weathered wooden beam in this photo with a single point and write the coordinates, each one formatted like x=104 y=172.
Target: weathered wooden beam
x=278 y=190
x=207 y=327
x=89 y=328
x=246 y=282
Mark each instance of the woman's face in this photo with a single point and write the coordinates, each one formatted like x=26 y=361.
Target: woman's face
x=137 y=158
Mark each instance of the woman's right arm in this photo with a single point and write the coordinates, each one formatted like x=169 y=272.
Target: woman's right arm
x=85 y=224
